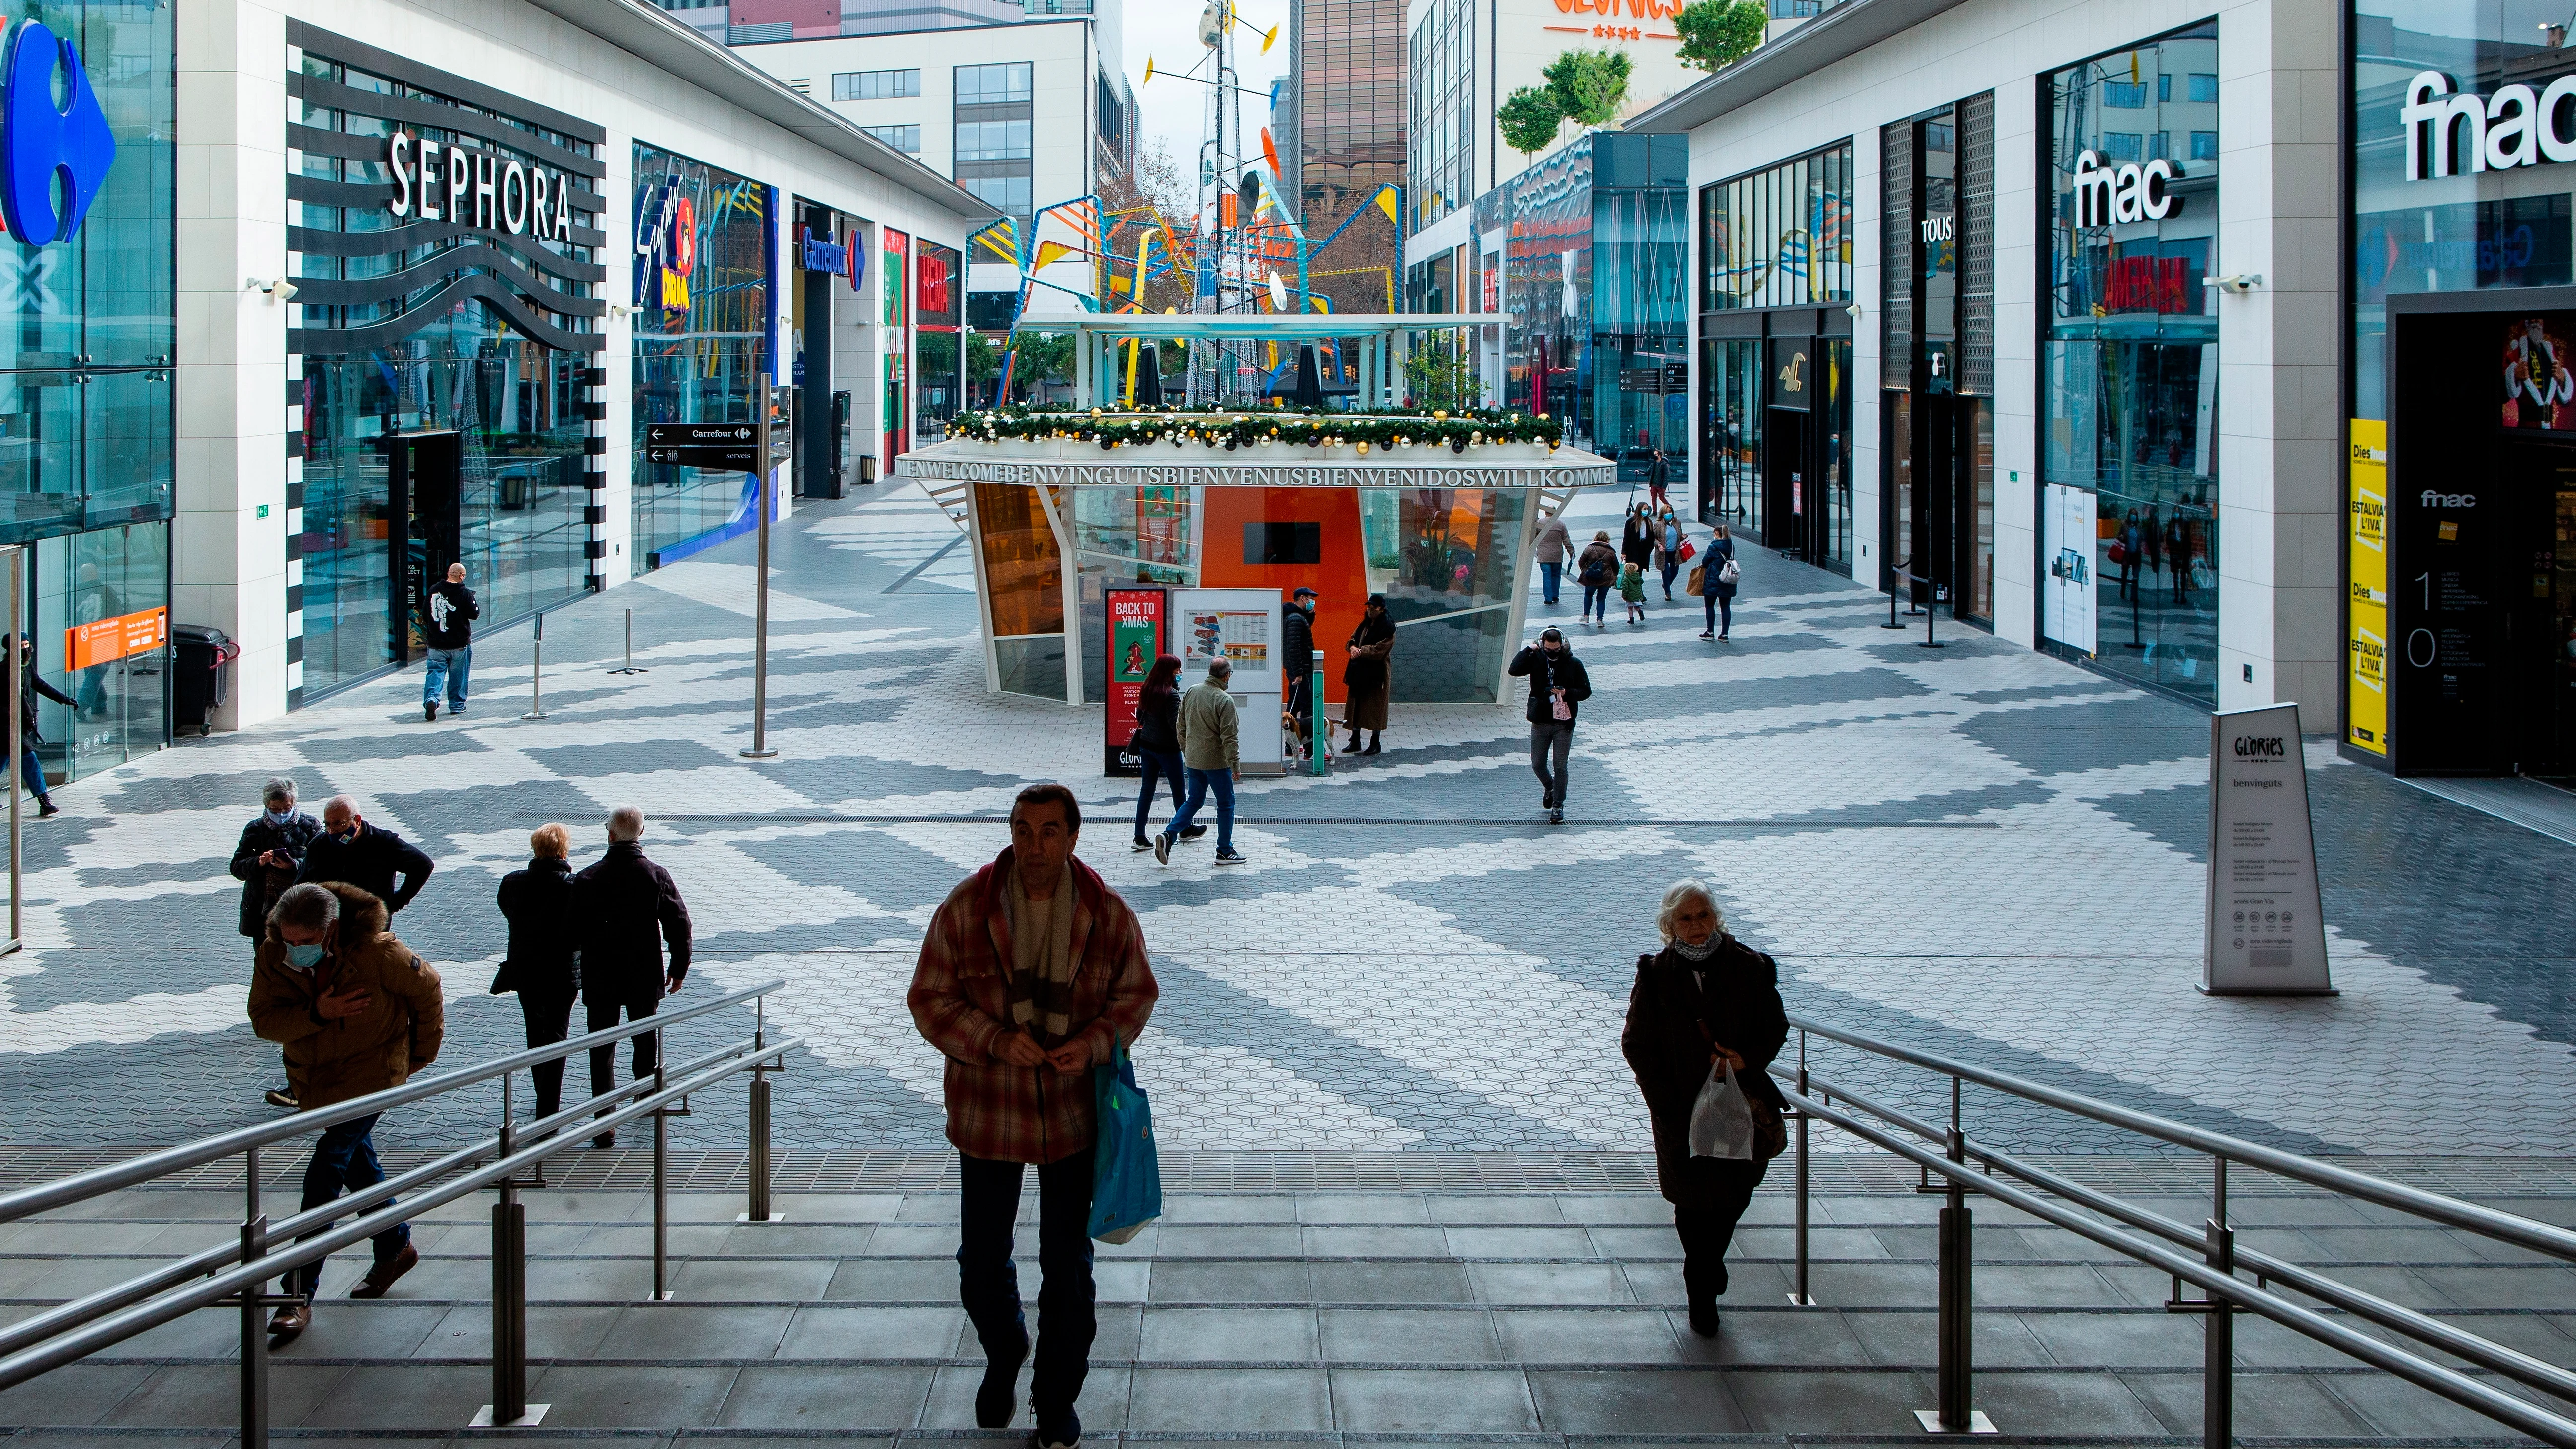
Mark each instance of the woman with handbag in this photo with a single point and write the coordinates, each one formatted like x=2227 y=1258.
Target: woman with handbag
x=1671 y=549
x=1717 y=580
x=1704 y=1002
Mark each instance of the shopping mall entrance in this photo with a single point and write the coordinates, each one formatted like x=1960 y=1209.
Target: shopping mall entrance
x=2481 y=541
x=1938 y=514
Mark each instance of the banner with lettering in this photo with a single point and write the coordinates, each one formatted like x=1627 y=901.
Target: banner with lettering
x=2366 y=627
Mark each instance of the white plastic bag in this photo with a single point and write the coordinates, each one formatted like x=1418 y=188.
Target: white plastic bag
x=1721 y=1124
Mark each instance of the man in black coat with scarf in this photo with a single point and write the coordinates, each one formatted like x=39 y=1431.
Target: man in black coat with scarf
x=352 y=852
x=628 y=907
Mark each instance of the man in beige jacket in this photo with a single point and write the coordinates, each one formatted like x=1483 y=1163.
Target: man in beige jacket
x=1209 y=754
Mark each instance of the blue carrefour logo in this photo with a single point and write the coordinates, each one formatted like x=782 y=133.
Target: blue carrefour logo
x=55 y=154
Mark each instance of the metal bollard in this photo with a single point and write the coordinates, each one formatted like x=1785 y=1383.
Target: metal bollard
x=759 y=1212
x=1800 y=1297
x=2218 y=1327
x=254 y=1332
x=661 y=1192
x=630 y=648
x=537 y=673
x=509 y=1407
x=1957 y=1321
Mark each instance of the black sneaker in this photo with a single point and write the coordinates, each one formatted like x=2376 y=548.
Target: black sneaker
x=994 y=1397
x=1141 y=845
x=1703 y=1319
x=1556 y=815
x=1708 y=633
x=1194 y=832
x=429 y=711
x=282 y=1097
x=1058 y=1429
x=604 y=1141
x=1163 y=848
x=1229 y=857
x=48 y=809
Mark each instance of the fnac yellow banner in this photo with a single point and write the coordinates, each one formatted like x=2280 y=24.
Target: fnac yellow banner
x=2366 y=688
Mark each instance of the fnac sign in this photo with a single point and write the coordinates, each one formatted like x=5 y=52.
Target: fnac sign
x=53 y=155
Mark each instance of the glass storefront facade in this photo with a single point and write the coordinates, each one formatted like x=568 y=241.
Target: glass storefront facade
x=85 y=398
x=1775 y=356
x=413 y=323
x=2129 y=367
x=705 y=306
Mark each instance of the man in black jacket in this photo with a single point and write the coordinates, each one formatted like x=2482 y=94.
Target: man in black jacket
x=628 y=906
x=266 y=862
x=449 y=632
x=1297 y=657
x=355 y=853
x=1557 y=686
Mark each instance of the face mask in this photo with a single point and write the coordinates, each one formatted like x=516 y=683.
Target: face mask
x=349 y=834
x=305 y=957
x=280 y=818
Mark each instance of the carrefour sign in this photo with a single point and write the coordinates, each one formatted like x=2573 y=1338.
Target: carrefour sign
x=55 y=153
x=2448 y=134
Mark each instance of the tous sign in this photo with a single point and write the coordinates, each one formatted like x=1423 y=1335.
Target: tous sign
x=2468 y=132
x=472 y=187
x=2132 y=193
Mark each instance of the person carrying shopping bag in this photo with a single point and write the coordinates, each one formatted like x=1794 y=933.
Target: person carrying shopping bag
x=1718 y=577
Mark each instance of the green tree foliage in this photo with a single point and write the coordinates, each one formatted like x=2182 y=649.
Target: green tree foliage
x=1529 y=119
x=1589 y=85
x=1440 y=375
x=1718 y=33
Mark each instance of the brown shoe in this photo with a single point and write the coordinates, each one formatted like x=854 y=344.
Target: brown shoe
x=382 y=1276
x=288 y=1323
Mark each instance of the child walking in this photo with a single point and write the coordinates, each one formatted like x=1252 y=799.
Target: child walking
x=1632 y=587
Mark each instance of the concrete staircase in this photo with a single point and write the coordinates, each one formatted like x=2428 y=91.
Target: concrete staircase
x=1378 y=1317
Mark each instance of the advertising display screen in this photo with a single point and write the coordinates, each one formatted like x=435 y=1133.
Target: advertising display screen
x=2539 y=384
x=1135 y=640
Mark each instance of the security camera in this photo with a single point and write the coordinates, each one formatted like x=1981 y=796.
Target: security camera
x=279 y=288
x=2239 y=284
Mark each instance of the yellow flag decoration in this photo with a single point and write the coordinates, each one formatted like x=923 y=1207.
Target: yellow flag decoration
x=1048 y=251
x=1386 y=202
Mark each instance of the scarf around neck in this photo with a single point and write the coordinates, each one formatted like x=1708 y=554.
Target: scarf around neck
x=1700 y=953
x=1042 y=964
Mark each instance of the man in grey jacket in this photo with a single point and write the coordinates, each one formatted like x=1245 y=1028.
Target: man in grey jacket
x=1209 y=753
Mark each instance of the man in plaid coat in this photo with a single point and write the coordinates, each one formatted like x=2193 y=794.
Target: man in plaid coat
x=1033 y=971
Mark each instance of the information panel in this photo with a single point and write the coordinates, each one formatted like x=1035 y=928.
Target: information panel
x=2366 y=629
x=1242 y=625
x=1135 y=624
x=2265 y=929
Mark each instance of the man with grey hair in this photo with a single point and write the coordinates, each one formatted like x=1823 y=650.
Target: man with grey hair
x=628 y=906
x=1211 y=749
x=366 y=856
x=357 y=1013
x=266 y=862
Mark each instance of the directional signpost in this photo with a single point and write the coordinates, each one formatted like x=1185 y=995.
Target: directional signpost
x=731 y=446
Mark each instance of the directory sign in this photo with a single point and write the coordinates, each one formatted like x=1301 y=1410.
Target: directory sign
x=1134 y=641
x=2265 y=928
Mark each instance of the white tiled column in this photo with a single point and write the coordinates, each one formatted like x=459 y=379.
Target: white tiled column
x=2017 y=284
x=2281 y=514
x=228 y=565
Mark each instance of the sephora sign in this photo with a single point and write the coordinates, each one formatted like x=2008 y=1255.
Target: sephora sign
x=2451 y=134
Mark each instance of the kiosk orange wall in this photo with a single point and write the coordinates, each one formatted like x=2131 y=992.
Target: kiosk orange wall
x=1341 y=578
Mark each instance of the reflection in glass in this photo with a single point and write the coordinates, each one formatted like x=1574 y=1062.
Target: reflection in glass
x=118 y=706
x=1023 y=572
x=695 y=362
x=1731 y=435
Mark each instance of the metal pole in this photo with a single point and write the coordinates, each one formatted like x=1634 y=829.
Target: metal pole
x=760 y=749
x=509 y=1287
x=1319 y=735
x=630 y=648
x=537 y=673
x=1802 y=1298
x=2218 y=1327
x=18 y=743
x=1957 y=1325
x=759 y=1205
x=661 y=1193
x=254 y=1333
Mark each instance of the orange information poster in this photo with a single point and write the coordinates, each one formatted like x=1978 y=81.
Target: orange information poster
x=86 y=646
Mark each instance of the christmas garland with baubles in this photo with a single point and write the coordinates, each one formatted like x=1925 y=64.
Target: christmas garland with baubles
x=1234 y=428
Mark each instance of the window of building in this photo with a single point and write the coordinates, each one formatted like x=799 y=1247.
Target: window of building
x=902 y=138
x=992 y=140
x=1779 y=237
x=875 y=85
x=1003 y=193
x=1442 y=112
x=986 y=85
x=2164 y=88
x=2204 y=88
x=2204 y=145
x=2120 y=146
x=2124 y=95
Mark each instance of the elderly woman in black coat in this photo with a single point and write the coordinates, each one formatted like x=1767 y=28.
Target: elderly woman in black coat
x=541 y=964
x=1704 y=999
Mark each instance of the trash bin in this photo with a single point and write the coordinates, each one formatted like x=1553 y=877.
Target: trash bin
x=203 y=678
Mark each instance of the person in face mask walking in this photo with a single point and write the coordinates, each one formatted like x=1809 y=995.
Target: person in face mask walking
x=1557 y=684
x=355 y=853
x=266 y=862
x=357 y=1013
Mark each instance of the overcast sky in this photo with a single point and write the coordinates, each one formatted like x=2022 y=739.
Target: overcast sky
x=1175 y=110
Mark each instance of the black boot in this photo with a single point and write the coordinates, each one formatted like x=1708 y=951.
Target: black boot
x=1373 y=739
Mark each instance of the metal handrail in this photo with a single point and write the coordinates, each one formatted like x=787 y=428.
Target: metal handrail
x=1966 y=1165
x=62 y=1192
x=235 y=1275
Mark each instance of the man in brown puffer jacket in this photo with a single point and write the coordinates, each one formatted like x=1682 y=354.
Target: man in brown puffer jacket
x=356 y=1012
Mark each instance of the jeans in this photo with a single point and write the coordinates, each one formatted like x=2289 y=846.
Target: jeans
x=1719 y=608
x=1549 y=575
x=1158 y=766
x=1551 y=740
x=988 y=1285
x=448 y=666
x=549 y=1020
x=1202 y=781
x=344 y=1161
x=1671 y=571
x=1705 y=1226
x=32 y=770
x=1596 y=602
x=603 y=1012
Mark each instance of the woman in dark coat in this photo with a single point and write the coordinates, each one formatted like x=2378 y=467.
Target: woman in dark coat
x=540 y=966
x=1705 y=998
x=1715 y=593
x=266 y=862
x=1368 y=678
x=1637 y=540
x=1158 y=739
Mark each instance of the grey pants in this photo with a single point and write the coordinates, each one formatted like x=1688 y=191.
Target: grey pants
x=1550 y=740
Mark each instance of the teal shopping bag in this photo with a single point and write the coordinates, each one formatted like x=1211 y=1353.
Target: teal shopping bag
x=1126 y=1176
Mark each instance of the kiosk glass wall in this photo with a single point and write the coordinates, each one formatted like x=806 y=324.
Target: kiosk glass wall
x=698 y=333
